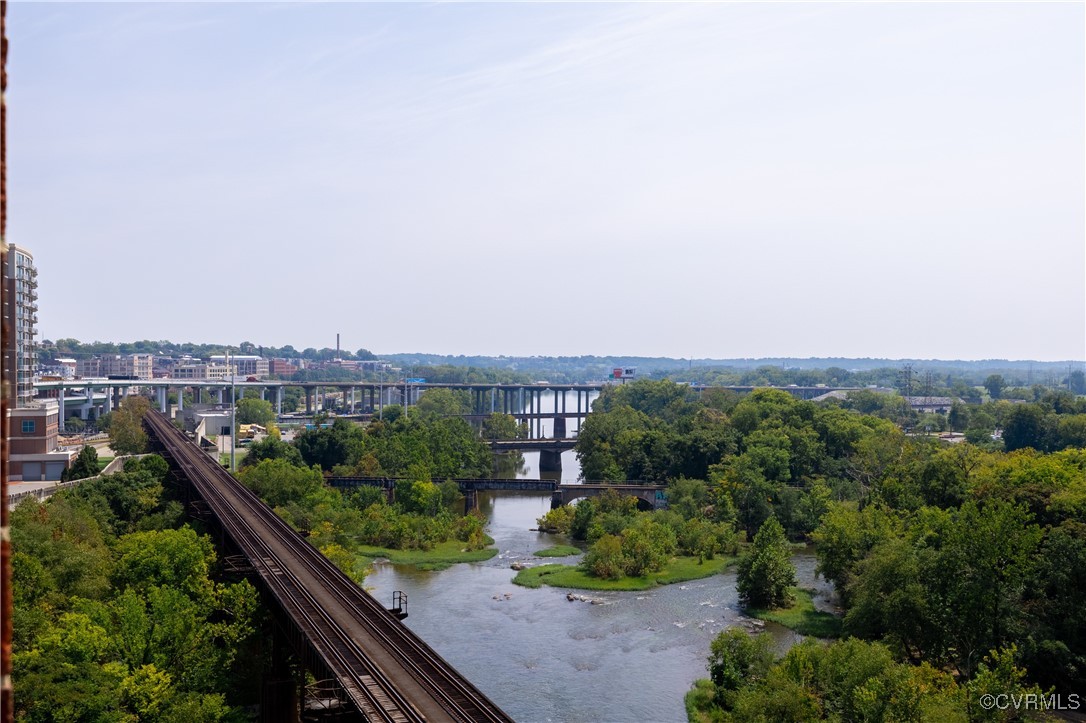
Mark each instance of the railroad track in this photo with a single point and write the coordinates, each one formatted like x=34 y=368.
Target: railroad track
x=386 y=671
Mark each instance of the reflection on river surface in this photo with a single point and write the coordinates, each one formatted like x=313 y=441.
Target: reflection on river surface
x=630 y=657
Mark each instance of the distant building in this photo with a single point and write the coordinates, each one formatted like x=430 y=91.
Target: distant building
x=88 y=368
x=67 y=367
x=34 y=454
x=281 y=367
x=248 y=365
x=931 y=405
x=203 y=371
x=374 y=365
x=137 y=366
x=22 y=320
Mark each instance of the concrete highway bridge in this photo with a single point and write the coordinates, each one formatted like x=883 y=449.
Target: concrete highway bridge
x=92 y=397
x=369 y=665
x=651 y=496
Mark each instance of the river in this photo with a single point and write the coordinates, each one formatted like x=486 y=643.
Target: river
x=630 y=656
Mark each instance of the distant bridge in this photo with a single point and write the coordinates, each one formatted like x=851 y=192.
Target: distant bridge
x=521 y=401
x=653 y=496
x=532 y=445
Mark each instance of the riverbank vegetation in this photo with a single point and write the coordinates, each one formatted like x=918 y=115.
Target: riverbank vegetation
x=632 y=550
x=558 y=551
x=800 y=615
x=678 y=569
x=943 y=554
x=420 y=445
x=439 y=557
x=849 y=680
x=766 y=574
x=118 y=612
x=351 y=527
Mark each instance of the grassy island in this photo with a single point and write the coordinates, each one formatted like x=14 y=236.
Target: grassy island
x=440 y=557
x=801 y=616
x=679 y=569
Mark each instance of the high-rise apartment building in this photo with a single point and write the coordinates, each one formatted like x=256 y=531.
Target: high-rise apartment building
x=21 y=310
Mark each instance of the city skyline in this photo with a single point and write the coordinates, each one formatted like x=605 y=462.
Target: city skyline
x=712 y=181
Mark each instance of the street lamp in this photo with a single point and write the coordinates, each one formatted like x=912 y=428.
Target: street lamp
x=233 y=414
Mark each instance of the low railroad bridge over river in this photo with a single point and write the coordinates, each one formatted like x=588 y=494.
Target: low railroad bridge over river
x=650 y=496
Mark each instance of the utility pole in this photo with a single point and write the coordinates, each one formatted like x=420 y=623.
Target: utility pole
x=233 y=414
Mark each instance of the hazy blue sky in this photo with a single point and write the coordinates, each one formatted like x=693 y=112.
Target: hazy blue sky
x=711 y=180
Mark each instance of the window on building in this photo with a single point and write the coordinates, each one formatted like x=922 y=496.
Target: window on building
x=28 y=426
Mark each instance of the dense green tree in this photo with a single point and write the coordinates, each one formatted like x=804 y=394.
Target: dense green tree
x=958 y=417
x=657 y=399
x=85 y=465
x=1076 y=382
x=688 y=497
x=278 y=482
x=850 y=680
x=340 y=444
x=605 y=559
x=889 y=600
x=442 y=402
x=978 y=577
x=503 y=426
x=737 y=660
x=126 y=433
x=158 y=644
x=178 y=559
x=272 y=448
x=995 y=384
x=766 y=572
x=255 y=411
x=846 y=535
x=1024 y=428
x=646 y=546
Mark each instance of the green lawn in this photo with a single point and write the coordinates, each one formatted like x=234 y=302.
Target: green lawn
x=802 y=616
x=442 y=556
x=558 y=551
x=103 y=462
x=680 y=569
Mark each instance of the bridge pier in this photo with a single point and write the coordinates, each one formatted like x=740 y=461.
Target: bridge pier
x=559 y=427
x=279 y=700
x=550 y=460
x=471 y=500
x=309 y=400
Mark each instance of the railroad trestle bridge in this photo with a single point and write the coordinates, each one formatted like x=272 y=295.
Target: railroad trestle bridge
x=367 y=662
x=650 y=495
